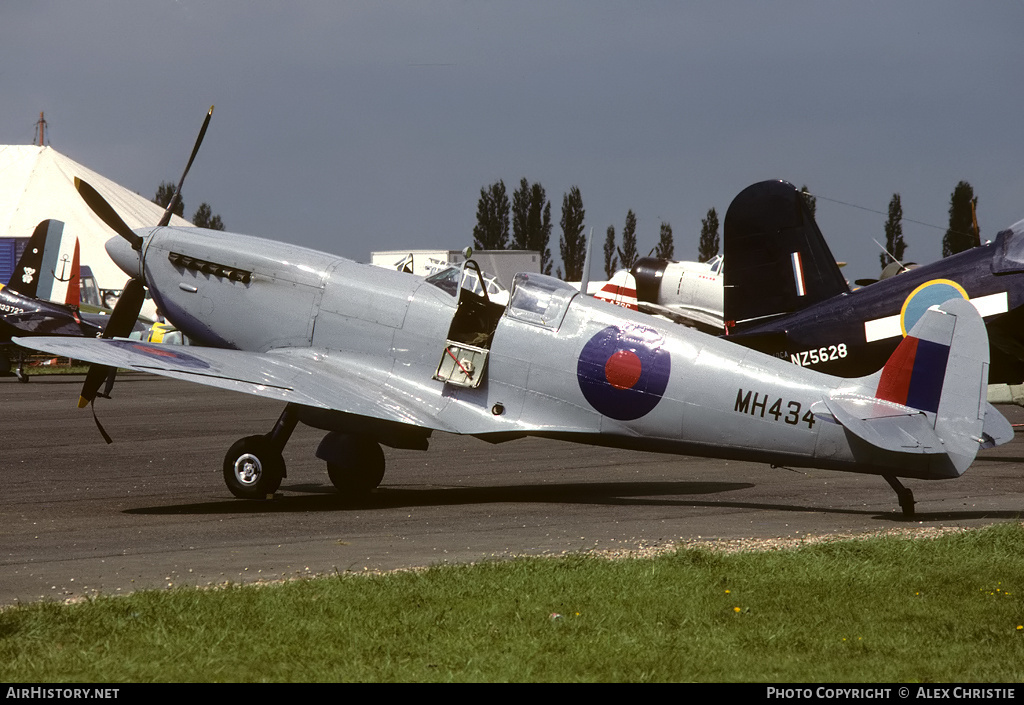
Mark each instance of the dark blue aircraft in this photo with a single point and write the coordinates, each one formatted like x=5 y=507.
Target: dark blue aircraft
x=785 y=295
x=23 y=314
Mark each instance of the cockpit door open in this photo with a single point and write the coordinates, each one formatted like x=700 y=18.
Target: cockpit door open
x=464 y=358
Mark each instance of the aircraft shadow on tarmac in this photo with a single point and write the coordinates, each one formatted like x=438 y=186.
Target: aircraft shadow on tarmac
x=317 y=497
x=999 y=459
x=323 y=497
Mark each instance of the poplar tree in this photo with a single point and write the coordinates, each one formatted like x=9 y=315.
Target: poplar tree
x=960 y=236
x=666 y=249
x=492 y=211
x=531 y=221
x=572 y=244
x=708 y=245
x=894 y=244
x=611 y=261
x=628 y=254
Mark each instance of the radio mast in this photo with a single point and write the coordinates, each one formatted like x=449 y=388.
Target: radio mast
x=41 y=130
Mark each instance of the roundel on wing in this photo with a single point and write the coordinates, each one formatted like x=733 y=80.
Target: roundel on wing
x=931 y=293
x=170 y=354
x=623 y=372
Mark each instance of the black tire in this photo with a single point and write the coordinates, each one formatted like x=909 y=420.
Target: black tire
x=358 y=467
x=253 y=468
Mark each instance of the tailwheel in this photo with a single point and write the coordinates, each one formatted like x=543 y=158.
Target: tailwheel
x=253 y=468
x=355 y=464
x=904 y=494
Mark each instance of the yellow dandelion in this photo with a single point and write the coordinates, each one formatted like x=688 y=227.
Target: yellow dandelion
x=736 y=609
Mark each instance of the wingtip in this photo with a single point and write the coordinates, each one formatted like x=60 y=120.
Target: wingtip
x=82 y=402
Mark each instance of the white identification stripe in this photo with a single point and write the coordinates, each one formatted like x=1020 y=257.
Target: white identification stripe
x=992 y=304
x=798 y=273
x=889 y=327
x=882 y=328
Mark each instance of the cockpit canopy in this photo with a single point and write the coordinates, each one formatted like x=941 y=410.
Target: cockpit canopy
x=448 y=279
x=539 y=299
x=1009 y=255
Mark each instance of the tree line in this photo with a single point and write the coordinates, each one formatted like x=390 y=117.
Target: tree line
x=962 y=233
x=529 y=215
x=202 y=218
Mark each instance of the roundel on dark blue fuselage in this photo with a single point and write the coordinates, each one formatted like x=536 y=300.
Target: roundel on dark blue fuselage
x=623 y=372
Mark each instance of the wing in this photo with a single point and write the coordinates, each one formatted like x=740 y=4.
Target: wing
x=690 y=317
x=354 y=384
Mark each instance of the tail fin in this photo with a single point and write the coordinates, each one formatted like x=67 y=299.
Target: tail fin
x=25 y=279
x=619 y=290
x=74 y=294
x=931 y=395
x=776 y=259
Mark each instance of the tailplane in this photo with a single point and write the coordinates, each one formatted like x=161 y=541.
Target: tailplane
x=776 y=259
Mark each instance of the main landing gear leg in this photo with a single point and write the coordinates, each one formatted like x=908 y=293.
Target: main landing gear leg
x=905 y=495
x=20 y=372
x=254 y=465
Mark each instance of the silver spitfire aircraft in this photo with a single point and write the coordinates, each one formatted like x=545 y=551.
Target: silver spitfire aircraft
x=378 y=357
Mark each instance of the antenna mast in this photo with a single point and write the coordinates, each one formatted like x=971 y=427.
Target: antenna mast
x=41 y=130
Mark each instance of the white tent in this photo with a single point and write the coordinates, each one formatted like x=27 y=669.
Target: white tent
x=37 y=183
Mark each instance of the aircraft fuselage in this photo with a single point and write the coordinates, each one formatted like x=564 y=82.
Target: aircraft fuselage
x=853 y=334
x=21 y=315
x=581 y=370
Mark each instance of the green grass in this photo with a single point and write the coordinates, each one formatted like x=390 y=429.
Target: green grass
x=57 y=370
x=875 y=610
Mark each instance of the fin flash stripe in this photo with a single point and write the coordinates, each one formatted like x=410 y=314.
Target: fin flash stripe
x=913 y=375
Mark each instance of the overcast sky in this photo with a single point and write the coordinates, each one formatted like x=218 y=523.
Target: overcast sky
x=359 y=126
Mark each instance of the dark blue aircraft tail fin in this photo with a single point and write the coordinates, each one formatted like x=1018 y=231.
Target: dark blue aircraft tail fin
x=25 y=279
x=776 y=259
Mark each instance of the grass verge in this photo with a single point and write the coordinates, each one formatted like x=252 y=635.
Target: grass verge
x=872 y=610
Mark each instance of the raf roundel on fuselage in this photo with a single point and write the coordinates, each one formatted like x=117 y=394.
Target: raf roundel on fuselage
x=623 y=372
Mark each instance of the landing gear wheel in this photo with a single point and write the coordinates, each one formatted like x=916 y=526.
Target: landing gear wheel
x=355 y=464
x=253 y=468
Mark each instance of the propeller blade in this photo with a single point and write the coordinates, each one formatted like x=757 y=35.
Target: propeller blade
x=106 y=213
x=120 y=325
x=93 y=379
x=126 y=311
x=166 y=219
